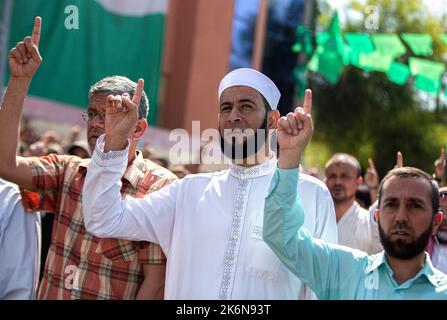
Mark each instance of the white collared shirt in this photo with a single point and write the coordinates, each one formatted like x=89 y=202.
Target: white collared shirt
x=208 y=225
x=439 y=256
x=19 y=246
x=356 y=230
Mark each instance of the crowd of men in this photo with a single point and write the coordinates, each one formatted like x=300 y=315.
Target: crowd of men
x=116 y=225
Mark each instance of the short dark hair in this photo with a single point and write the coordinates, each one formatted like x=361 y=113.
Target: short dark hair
x=119 y=85
x=410 y=172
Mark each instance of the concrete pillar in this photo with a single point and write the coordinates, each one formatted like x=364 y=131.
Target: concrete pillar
x=196 y=57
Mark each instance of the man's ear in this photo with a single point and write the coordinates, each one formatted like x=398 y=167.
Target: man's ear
x=273 y=117
x=359 y=181
x=376 y=215
x=139 y=129
x=436 y=223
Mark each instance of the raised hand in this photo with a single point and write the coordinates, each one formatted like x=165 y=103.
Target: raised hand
x=440 y=165
x=25 y=59
x=399 y=160
x=371 y=177
x=294 y=133
x=121 y=117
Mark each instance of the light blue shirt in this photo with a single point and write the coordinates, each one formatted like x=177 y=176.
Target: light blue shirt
x=19 y=246
x=334 y=271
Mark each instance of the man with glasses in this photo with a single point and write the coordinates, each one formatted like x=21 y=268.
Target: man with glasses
x=355 y=228
x=80 y=265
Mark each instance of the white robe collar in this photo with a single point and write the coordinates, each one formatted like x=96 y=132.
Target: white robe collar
x=259 y=170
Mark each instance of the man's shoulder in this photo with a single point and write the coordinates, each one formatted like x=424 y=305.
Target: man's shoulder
x=154 y=169
x=308 y=182
x=63 y=159
x=362 y=213
x=8 y=186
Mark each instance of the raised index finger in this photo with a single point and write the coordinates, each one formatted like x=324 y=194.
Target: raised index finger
x=36 y=30
x=400 y=160
x=307 y=101
x=371 y=164
x=442 y=154
x=138 y=92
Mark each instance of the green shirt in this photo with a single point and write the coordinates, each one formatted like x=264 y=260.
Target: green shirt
x=334 y=271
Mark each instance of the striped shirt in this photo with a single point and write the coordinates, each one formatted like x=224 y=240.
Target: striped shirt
x=80 y=265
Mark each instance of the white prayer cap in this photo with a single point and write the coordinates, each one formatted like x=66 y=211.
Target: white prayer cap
x=253 y=79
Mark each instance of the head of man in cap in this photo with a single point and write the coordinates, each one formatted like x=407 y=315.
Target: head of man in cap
x=248 y=102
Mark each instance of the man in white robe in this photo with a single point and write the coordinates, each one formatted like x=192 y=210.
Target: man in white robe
x=208 y=225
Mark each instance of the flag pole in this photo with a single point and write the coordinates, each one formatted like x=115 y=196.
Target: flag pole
x=261 y=25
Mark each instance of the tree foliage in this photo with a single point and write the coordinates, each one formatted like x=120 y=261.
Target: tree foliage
x=366 y=115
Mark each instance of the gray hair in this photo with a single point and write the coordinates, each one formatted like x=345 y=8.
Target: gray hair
x=116 y=85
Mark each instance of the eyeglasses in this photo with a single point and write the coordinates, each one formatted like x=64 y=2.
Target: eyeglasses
x=90 y=115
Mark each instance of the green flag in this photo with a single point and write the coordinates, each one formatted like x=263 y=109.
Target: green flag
x=375 y=61
x=388 y=44
x=358 y=43
x=420 y=43
x=426 y=68
x=398 y=72
x=332 y=40
x=331 y=54
x=303 y=40
x=427 y=84
x=327 y=63
x=85 y=40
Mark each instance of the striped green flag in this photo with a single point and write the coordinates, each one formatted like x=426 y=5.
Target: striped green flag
x=84 y=41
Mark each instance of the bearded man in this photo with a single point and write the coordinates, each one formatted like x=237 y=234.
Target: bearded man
x=209 y=225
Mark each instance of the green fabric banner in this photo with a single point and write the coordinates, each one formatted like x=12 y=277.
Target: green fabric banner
x=112 y=38
x=426 y=68
x=327 y=63
x=332 y=40
x=331 y=54
x=419 y=43
x=359 y=43
x=427 y=84
x=388 y=44
x=375 y=61
x=398 y=72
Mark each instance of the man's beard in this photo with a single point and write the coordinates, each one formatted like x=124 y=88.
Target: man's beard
x=403 y=250
x=241 y=151
x=342 y=196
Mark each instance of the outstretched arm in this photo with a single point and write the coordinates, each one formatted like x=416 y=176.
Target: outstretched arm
x=24 y=60
x=106 y=214
x=315 y=262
